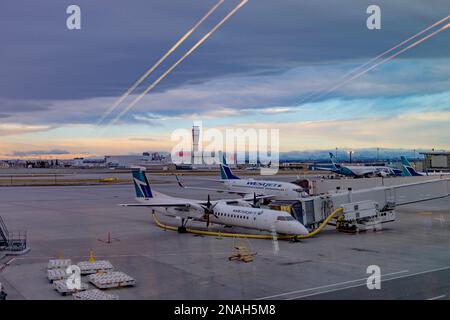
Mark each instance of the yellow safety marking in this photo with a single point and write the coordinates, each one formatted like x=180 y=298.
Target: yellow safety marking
x=247 y=235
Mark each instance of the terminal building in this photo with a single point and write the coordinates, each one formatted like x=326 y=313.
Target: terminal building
x=436 y=160
x=153 y=160
x=146 y=159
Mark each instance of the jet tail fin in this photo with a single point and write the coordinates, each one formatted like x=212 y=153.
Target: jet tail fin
x=405 y=161
x=225 y=171
x=141 y=185
x=405 y=171
x=333 y=161
x=408 y=169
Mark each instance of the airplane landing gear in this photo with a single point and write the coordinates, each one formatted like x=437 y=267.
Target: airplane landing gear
x=182 y=228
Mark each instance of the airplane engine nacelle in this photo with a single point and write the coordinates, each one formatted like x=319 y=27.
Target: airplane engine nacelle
x=197 y=207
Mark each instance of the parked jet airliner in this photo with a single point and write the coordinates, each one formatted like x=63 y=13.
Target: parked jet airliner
x=237 y=212
x=361 y=171
x=267 y=189
x=409 y=171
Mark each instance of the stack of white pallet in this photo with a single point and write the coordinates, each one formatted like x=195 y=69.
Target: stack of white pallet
x=56 y=269
x=87 y=267
x=57 y=274
x=94 y=294
x=59 y=264
x=111 y=280
x=61 y=287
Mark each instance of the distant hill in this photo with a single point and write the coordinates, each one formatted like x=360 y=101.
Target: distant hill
x=366 y=154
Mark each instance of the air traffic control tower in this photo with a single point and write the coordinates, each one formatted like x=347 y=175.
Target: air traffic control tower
x=196 y=157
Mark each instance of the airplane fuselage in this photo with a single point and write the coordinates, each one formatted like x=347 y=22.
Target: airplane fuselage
x=238 y=216
x=280 y=190
x=361 y=171
x=364 y=171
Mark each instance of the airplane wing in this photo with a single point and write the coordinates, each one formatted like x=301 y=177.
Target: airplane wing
x=213 y=180
x=244 y=194
x=251 y=197
x=182 y=204
x=324 y=169
x=155 y=204
x=209 y=189
x=364 y=171
x=207 y=179
x=193 y=203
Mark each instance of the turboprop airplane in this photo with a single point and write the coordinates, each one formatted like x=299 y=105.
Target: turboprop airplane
x=237 y=212
x=273 y=190
x=361 y=171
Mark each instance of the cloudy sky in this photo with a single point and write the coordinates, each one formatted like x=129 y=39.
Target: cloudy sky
x=270 y=66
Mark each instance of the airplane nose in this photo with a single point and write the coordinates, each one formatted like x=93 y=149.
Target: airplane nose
x=300 y=229
x=291 y=228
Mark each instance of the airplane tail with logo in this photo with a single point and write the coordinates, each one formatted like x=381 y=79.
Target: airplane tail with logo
x=405 y=161
x=408 y=169
x=225 y=171
x=333 y=161
x=141 y=185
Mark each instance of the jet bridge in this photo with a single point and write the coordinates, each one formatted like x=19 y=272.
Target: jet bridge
x=12 y=242
x=3 y=294
x=316 y=209
x=4 y=234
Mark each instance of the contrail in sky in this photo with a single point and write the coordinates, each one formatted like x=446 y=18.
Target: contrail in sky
x=193 y=48
x=389 y=58
x=322 y=93
x=156 y=65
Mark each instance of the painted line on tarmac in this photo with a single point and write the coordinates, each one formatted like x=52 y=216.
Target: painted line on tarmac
x=326 y=286
x=360 y=285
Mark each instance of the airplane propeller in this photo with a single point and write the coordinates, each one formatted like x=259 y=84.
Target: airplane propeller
x=209 y=209
x=255 y=201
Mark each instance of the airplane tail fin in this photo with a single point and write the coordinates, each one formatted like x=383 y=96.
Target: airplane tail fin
x=405 y=161
x=225 y=171
x=333 y=161
x=405 y=171
x=408 y=169
x=141 y=185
